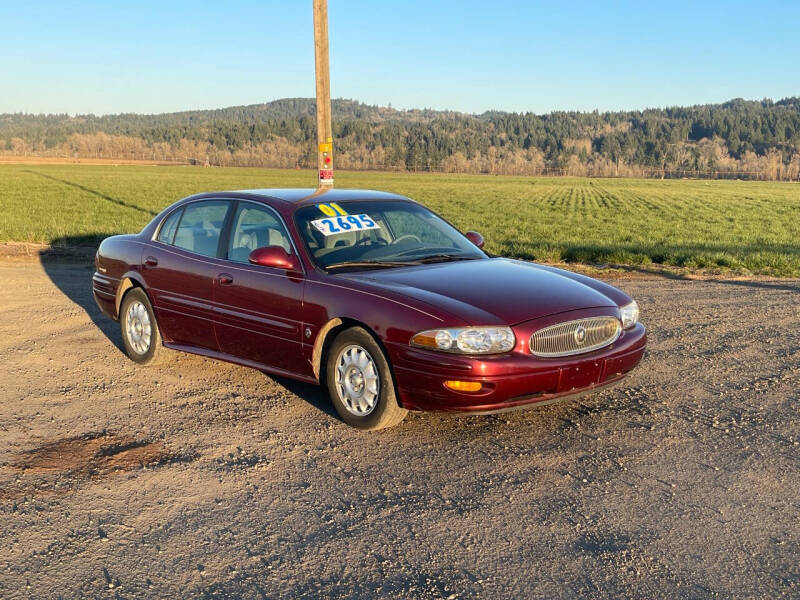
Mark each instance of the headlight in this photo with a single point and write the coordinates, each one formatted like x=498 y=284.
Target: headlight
x=629 y=315
x=467 y=340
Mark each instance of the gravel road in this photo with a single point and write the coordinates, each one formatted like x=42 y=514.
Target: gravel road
x=203 y=479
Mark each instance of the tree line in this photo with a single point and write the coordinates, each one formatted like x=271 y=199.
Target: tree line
x=739 y=138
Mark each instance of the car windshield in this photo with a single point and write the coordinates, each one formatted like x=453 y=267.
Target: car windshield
x=379 y=234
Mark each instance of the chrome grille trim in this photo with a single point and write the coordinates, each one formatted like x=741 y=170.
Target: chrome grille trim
x=560 y=339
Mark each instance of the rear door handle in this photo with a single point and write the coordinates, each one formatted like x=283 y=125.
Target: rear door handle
x=224 y=279
x=151 y=261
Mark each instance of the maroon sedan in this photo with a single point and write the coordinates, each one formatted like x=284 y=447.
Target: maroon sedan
x=368 y=293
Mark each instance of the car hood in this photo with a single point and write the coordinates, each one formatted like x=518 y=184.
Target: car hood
x=492 y=291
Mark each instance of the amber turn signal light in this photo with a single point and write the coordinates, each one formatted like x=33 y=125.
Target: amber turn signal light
x=464 y=386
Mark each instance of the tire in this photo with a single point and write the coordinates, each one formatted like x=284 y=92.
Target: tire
x=136 y=317
x=360 y=382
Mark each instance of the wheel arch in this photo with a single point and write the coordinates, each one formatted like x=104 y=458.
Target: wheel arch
x=127 y=283
x=328 y=333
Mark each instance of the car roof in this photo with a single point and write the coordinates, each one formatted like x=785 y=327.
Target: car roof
x=304 y=196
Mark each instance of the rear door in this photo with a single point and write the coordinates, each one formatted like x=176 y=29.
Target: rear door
x=258 y=309
x=179 y=267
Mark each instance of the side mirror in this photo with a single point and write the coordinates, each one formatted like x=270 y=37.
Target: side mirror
x=275 y=257
x=476 y=238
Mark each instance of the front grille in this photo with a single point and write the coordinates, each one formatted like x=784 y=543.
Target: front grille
x=575 y=337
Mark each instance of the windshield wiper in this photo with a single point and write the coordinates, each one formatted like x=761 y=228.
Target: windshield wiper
x=446 y=258
x=380 y=264
x=371 y=264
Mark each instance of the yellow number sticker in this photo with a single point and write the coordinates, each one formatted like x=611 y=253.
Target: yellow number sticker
x=327 y=210
x=332 y=210
x=339 y=209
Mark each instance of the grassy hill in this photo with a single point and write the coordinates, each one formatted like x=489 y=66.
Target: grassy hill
x=742 y=139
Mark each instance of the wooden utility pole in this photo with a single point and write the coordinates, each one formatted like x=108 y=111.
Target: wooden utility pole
x=322 y=64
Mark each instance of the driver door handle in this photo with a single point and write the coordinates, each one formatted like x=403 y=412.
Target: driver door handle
x=224 y=279
x=151 y=261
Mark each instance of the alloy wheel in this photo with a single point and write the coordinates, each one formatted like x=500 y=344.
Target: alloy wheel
x=138 y=327
x=357 y=380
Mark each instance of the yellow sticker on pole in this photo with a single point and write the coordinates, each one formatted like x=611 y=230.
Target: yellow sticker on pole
x=326 y=147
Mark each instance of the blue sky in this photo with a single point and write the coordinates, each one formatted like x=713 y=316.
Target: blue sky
x=110 y=57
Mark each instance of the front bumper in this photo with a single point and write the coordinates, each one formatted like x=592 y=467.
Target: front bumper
x=511 y=380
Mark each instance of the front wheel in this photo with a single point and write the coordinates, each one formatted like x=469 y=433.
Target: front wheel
x=140 y=333
x=360 y=382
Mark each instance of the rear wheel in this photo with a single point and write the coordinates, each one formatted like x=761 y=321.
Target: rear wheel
x=140 y=333
x=360 y=382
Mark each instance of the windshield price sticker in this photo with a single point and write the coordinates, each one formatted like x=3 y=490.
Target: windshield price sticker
x=342 y=224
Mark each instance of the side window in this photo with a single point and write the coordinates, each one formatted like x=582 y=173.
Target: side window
x=167 y=232
x=200 y=227
x=255 y=227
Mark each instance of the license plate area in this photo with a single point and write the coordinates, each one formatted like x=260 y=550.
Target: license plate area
x=580 y=375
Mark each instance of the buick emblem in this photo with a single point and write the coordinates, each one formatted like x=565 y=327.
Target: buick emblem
x=580 y=335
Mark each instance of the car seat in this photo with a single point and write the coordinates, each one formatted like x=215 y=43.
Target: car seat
x=247 y=240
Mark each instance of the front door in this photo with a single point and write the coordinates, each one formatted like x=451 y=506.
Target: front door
x=258 y=309
x=179 y=268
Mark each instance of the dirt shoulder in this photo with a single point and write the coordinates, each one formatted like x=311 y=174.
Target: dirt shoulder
x=34 y=252
x=203 y=479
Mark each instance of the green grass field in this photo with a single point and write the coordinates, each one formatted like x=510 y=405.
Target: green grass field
x=721 y=225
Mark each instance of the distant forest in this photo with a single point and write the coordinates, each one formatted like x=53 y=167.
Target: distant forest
x=744 y=139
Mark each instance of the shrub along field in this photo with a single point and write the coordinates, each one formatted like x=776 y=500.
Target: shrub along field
x=720 y=225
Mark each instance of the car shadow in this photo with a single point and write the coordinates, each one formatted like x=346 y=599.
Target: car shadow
x=69 y=263
x=314 y=395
